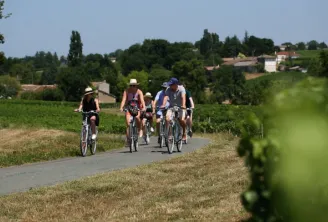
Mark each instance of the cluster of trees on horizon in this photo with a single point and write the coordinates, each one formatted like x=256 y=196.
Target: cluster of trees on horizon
x=152 y=62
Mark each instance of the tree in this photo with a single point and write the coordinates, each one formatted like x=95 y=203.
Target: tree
x=23 y=71
x=9 y=86
x=2 y=16
x=230 y=84
x=192 y=73
x=157 y=76
x=323 y=45
x=72 y=81
x=300 y=46
x=313 y=45
x=319 y=66
x=75 y=50
x=48 y=76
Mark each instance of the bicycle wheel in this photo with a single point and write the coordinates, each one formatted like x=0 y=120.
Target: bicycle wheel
x=146 y=133
x=131 y=137
x=170 y=139
x=93 y=145
x=178 y=138
x=135 y=137
x=84 y=141
x=187 y=137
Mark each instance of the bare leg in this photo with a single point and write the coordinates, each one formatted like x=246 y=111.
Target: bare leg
x=93 y=124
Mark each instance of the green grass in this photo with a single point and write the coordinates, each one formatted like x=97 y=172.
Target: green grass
x=309 y=53
x=52 y=115
x=38 y=145
x=280 y=76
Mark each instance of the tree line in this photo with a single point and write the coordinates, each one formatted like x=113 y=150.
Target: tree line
x=151 y=62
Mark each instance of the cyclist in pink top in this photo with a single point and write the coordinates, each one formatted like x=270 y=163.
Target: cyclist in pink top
x=130 y=94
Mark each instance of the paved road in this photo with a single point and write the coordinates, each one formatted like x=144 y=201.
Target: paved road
x=22 y=178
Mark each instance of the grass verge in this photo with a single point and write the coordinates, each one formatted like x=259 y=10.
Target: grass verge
x=201 y=186
x=19 y=146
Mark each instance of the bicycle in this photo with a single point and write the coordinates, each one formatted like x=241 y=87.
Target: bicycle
x=188 y=129
x=147 y=132
x=162 y=126
x=133 y=131
x=174 y=132
x=86 y=134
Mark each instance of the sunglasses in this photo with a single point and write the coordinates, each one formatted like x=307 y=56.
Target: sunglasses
x=133 y=85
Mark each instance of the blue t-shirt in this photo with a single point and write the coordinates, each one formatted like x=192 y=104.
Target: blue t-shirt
x=160 y=98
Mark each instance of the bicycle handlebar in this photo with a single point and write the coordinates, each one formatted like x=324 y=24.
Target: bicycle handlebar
x=90 y=112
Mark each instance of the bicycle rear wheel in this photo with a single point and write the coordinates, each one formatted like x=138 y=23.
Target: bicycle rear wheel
x=170 y=139
x=84 y=141
x=93 y=145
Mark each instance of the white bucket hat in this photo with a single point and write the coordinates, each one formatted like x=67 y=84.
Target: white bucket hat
x=88 y=91
x=148 y=94
x=133 y=82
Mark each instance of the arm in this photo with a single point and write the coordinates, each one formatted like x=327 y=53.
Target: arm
x=142 y=99
x=97 y=105
x=123 y=100
x=80 y=107
x=192 y=103
x=183 y=95
x=164 y=101
x=153 y=105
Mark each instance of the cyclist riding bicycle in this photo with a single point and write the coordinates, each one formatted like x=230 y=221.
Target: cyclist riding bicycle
x=189 y=105
x=89 y=103
x=158 y=102
x=177 y=96
x=148 y=114
x=132 y=93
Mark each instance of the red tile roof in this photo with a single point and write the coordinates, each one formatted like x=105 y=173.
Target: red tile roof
x=288 y=53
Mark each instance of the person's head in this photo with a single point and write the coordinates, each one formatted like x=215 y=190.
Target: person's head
x=173 y=84
x=133 y=84
x=148 y=96
x=165 y=85
x=88 y=93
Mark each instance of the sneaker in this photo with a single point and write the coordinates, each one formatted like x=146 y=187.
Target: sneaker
x=151 y=129
x=190 y=133
x=94 y=136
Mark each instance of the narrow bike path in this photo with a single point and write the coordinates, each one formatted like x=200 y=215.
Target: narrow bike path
x=25 y=177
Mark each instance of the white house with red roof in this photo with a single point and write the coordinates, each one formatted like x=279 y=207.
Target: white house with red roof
x=282 y=56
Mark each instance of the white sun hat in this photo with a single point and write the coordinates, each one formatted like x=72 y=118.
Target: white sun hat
x=88 y=91
x=148 y=94
x=133 y=82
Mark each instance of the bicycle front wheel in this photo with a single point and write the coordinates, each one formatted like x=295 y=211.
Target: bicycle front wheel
x=84 y=141
x=170 y=139
x=93 y=145
x=131 y=137
x=178 y=136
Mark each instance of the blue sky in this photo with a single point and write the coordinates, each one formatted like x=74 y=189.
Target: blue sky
x=106 y=25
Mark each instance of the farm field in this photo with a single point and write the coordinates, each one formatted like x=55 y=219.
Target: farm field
x=204 y=186
x=309 y=53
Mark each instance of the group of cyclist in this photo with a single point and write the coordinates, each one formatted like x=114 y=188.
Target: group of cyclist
x=173 y=93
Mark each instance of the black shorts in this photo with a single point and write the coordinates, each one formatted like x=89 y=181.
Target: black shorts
x=188 y=112
x=97 y=118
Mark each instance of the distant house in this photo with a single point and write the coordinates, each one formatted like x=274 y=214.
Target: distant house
x=103 y=89
x=247 y=66
x=113 y=59
x=211 y=68
x=269 y=62
x=282 y=56
x=36 y=88
x=282 y=47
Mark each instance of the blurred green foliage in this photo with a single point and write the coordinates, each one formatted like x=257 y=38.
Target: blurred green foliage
x=288 y=166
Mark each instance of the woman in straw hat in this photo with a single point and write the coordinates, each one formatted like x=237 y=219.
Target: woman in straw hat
x=89 y=103
x=150 y=110
x=133 y=93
